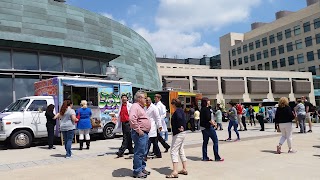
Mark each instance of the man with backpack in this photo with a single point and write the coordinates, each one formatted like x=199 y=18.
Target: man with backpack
x=309 y=108
x=239 y=113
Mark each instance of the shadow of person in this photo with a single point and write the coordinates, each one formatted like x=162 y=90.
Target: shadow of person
x=194 y=158
x=163 y=170
x=43 y=147
x=316 y=146
x=122 y=172
x=58 y=155
x=269 y=151
x=316 y=155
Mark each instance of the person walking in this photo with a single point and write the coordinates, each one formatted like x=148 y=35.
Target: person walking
x=163 y=114
x=124 y=126
x=84 y=124
x=243 y=118
x=233 y=122
x=239 y=115
x=276 y=126
x=309 y=108
x=301 y=115
x=260 y=116
x=51 y=122
x=197 y=118
x=155 y=120
x=284 y=117
x=251 y=115
x=270 y=114
x=191 y=114
x=67 y=125
x=207 y=128
x=179 y=125
x=218 y=117
x=140 y=125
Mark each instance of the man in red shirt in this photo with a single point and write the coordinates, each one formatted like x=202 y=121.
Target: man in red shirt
x=239 y=113
x=123 y=116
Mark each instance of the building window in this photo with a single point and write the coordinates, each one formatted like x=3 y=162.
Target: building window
x=291 y=60
x=239 y=50
x=316 y=23
x=312 y=69
x=282 y=62
x=306 y=27
x=308 y=41
x=247 y=68
x=258 y=55
x=24 y=85
x=267 y=66
x=288 y=33
x=297 y=30
x=246 y=59
x=318 y=38
x=318 y=53
x=234 y=62
x=240 y=61
x=25 y=61
x=257 y=43
x=5 y=60
x=310 y=56
x=302 y=69
x=259 y=66
x=299 y=44
x=251 y=46
x=275 y=64
x=271 y=39
x=91 y=66
x=281 y=49
x=316 y=85
x=253 y=67
x=289 y=47
x=273 y=51
x=233 y=52
x=252 y=57
x=245 y=48
x=265 y=53
x=71 y=64
x=6 y=94
x=264 y=41
x=300 y=58
x=50 y=62
x=279 y=36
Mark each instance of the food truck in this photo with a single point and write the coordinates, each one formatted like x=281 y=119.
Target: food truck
x=24 y=120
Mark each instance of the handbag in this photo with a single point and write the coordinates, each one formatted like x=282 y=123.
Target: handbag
x=78 y=116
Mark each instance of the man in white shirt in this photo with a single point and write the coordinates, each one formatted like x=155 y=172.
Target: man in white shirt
x=163 y=113
x=154 y=117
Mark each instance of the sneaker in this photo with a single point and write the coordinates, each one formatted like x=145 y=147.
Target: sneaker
x=141 y=175
x=146 y=172
x=229 y=139
x=278 y=149
x=310 y=131
x=119 y=155
x=292 y=151
x=220 y=160
x=53 y=147
x=68 y=157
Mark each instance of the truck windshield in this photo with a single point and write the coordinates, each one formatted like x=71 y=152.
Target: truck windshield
x=19 y=105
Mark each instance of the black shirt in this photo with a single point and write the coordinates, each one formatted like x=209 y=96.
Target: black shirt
x=205 y=117
x=178 y=119
x=284 y=115
x=50 y=120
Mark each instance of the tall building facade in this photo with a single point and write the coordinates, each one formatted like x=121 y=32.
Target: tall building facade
x=290 y=43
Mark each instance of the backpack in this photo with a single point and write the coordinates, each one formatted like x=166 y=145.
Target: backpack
x=312 y=108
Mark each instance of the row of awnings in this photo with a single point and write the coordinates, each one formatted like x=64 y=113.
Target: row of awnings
x=237 y=86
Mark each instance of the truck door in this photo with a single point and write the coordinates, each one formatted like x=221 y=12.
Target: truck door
x=34 y=116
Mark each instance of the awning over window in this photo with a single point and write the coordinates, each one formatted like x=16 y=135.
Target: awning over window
x=177 y=83
x=301 y=86
x=281 y=86
x=233 y=86
x=257 y=86
x=207 y=86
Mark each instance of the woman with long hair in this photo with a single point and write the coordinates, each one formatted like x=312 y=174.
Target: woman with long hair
x=67 y=125
x=84 y=124
x=51 y=122
x=284 y=117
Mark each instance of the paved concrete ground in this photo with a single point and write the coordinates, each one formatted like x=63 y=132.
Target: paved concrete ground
x=252 y=158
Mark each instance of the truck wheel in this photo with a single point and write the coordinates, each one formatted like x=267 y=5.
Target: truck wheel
x=108 y=131
x=21 y=139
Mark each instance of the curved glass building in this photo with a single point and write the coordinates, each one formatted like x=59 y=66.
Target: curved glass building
x=40 y=39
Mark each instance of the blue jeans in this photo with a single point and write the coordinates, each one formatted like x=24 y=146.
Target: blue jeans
x=165 y=135
x=68 y=138
x=234 y=124
x=206 y=134
x=140 y=148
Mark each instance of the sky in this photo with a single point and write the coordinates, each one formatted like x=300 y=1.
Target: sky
x=188 y=28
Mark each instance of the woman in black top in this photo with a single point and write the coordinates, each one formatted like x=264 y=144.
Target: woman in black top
x=284 y=117
x=178 y=125
x=208 y=131
x=51 y=122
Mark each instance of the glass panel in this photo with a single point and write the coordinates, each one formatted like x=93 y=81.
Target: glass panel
x=5 y=59
x=6 y=95
x=318 y=53
x=306 y=26
x=267 y=66
x=251 y=46
x=24 y=85
x=17 y=106
x=233 y=52
x=310 y=56
x=274 y=64
x=91 y=66
x=234 y=62
x=288 y=33
x=38 y=105
x=300 y=58
x=252 y=57
x=246 y=59
x=312 y=69
x=318 y=38
x=240 y=61
x=253 y=67
x=25 y=61
x=239 y=50
x=297 y=30
x=50 y=62
x=299 y=44
x=245 y=48
x=291 y=60
x=271 y=39
x=289 y=47
x=279 y=36
x=282 y=62
x=72 y=65
x=104 y=66
x=273 y=51
x=258 y=55
x=316 y=23
x=264 y=41
x=257 y=43
x=259 y=66
x=265 y=54
x=308 y=41
x=281 y=49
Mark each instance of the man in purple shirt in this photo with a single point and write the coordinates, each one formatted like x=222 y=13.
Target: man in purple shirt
x=140 y=126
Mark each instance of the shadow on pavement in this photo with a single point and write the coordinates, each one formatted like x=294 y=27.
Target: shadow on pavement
x=269 y=151
x=316 y=155
x=123 y=172
x=43 y=147
x=113 y=148
x=194 y=158
x=58 y=155
x=316 y=146
x=163 y=170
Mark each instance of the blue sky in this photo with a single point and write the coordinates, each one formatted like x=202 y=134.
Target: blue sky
x=188 y=28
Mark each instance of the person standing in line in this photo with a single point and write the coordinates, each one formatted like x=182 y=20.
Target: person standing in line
x=124 y=126
x=284 y=117
x=239 y=115
x=50 y=125
x=179 y=125
x=276 y=126
x=218 y=117
x=251 y=115
x=155 y=120
x=197 y=118
x=233 y=122
x=163 y=114
x=140 y=125
x=270 y=114
x=67 y=125
x=243 y=118
x=191 y=113
x=207 y=128
x=260 y=116
x=309 y=108
x=84 y=124
x=301 y=114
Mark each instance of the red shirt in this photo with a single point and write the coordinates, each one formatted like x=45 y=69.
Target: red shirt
x=124 y=115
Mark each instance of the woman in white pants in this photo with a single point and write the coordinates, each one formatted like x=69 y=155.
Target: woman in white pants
x=284 y=117
x=84 y=124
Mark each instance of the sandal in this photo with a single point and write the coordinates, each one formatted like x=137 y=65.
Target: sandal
x=183 y=172
x=172 y=176
x=278 y=149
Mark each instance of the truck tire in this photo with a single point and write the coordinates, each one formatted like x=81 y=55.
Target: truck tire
x=108 y=131
x=21 y=139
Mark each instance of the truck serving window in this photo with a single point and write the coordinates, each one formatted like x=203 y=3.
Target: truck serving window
x=76 y=94
x=19 y=105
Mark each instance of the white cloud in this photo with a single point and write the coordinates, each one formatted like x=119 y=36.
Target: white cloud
x=111 y=17
x=132 y=10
